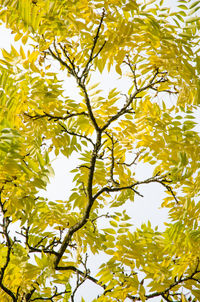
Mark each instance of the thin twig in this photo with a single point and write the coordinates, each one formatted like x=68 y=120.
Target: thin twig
x=6 y=223
x=92 y=56
x=133 y=96
x=158 y=179
x=54 y=117
x=76 y=134
x=133 y=70
x=131 y=163
x=112 y=159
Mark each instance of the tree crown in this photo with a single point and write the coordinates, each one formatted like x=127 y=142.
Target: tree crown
x=45 y=243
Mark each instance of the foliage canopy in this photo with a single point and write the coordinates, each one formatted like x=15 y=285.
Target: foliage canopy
x=44 y=244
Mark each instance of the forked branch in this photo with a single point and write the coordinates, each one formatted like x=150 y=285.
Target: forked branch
x=130 y=100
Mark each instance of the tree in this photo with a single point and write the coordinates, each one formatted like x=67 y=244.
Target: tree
x=45 y=244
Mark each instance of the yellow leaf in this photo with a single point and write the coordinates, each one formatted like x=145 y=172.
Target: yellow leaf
x=183 y=299
x=33 y=56
x=24 y=39
x=34 y=68
x=22 y=53
x=118 y=69
x=18 y=36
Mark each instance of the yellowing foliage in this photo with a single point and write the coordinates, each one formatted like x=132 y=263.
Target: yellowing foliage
x=45 y=244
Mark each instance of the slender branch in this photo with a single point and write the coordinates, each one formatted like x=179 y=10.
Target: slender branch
x=133 y=161
x=92 y=56
x=88 y=104
x=83 y=188
x=33 y=249
x=165 y=90
x=93 y=220
x=54 y=117
x=76 y=270
x=136 y=192
x=71 y=62
x=156 y=178
x=129 y=102
x=88 y=208
x=78 y=284
x=76 y=134
x=112 y=159
x=166 y=293
x=6 y=222
x=81 y=79
x=133 y=70
x=39 y=243
x=100 y=49
x=79 y=281
x=169 y=189
x=154 y=76
x=56 y=294
x=100 y=216
x=58 y=58
x=71 y=67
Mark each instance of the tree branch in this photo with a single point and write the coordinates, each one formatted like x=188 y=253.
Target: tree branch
x=112 y=159
x=76 y=134
x=133 y=161
x=130 y=100
x=156 y=178
x=33 y=249
x=133 y=70
x=56 y=294
x=91 y=200
x=91 y=56
x=88 y=104
x=72 y=70
x=167 y=290
x=76 y=270
x=54 y=117
x=5 y=225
